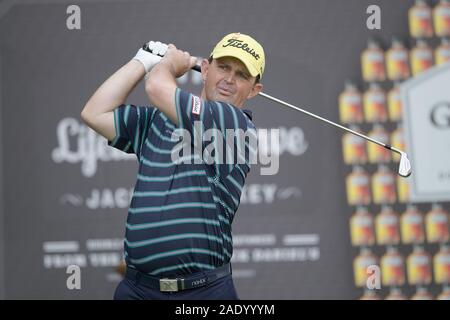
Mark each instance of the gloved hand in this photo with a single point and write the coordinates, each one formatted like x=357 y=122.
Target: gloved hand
x=151 y=54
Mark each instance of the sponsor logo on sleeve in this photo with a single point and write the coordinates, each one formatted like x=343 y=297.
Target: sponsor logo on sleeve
x=196 y=105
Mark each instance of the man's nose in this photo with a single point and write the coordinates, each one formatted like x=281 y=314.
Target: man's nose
x=229 y=77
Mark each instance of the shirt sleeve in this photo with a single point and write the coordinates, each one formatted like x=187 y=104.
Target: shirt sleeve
x=132 y=125
x=231 y=124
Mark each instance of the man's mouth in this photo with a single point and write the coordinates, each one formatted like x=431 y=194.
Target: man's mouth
x=224 y=91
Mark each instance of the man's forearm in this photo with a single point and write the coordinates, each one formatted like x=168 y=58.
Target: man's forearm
x=160 y=87
x=114 y=91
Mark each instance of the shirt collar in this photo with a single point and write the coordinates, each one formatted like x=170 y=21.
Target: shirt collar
x=248 y=113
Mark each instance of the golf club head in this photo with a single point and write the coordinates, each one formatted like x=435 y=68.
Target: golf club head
x=404 y=168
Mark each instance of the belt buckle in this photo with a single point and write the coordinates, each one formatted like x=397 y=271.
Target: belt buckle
x=168 y=285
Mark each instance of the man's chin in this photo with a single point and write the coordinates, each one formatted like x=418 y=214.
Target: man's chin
x=226 y=99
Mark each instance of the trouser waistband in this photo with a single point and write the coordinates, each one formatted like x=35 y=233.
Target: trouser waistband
x=195 y=280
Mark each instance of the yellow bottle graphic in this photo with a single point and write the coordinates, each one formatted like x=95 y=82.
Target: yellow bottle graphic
x=412 y=226
x=375 y=104
x=421 y=57
x=361 y=266
x=354 y=148
x=441 y=263
x=358 y=187
x=441 y=17
x=419 y=267
x=350 y=105
x=442 y=53
x=437 y=224
x=420 y=20
x=372 y=62
x=397 y=61
x=392 y=268
x=383 y=186
x=386 y=227
x=395 y=103
x=362 y=228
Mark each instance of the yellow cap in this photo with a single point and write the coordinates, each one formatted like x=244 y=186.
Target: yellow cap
x=244 y=48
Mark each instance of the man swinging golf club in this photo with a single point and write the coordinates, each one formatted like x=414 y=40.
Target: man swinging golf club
x=178 y=233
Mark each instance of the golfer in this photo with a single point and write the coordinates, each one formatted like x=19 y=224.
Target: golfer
x=178 y=238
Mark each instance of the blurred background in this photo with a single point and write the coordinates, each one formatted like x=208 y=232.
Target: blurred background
x=335 y=222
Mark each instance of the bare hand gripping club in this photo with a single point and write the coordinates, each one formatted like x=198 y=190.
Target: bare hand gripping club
x=404 y=168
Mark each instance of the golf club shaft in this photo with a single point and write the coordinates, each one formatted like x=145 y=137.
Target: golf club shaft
x=262 y=94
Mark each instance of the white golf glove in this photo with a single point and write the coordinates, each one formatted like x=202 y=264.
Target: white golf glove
x=152 y=54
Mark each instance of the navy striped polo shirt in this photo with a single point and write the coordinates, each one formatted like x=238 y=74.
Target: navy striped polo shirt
x=179 y=220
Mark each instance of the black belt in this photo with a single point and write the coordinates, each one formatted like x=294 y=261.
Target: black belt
x=191 y=281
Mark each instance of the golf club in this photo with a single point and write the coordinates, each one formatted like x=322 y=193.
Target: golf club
x=404 y=168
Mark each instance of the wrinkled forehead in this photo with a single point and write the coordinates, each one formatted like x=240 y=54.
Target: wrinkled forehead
x=233 y=62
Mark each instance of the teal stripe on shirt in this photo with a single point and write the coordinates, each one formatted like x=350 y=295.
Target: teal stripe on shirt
x=156 y=149
x=238 y=137
x=172 y=177
x=191 y=159
x=137 y=131
x=144 y=133
x=174 y=253
x=160 y=135
x=167 y=121
x=172 y=206
x=228 y=151
x=217 y=199
x=172 y=191
x=223 y=219
x=241 y=171
x=177 y=106
x=227 y=238
x=117 y=122
x=126 y=113
x=183 y=265
x=138 y=244
x=224 y=189
x=143 y=226
x=235 y=182
x=226 y=253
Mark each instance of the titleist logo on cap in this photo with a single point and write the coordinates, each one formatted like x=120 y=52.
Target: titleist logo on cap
x=241 y=45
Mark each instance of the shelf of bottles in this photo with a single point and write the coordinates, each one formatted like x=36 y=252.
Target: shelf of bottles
x=410 y=244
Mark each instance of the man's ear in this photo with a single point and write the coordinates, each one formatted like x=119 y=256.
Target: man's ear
x=204 y=68
x=257 y=88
